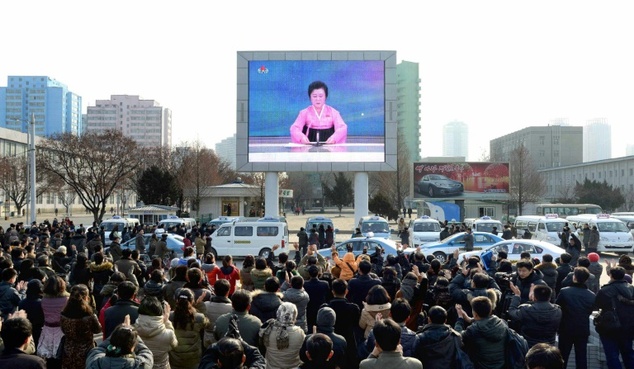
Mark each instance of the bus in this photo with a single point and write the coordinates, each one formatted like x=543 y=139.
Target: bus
x=565 y=210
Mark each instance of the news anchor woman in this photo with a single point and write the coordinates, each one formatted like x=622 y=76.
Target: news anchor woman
x=319 y=122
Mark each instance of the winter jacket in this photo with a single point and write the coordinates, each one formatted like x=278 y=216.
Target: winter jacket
x=78 y=340
x=484 y=341
x=596 y=269
x=367 y=320
x=435 y=346
x=390 y=359
x=116 y=313
x=170 y=291
x=248 y=325
x=264 y=304
x=219 y=305
x=259 y=276
x=246 y=281
x=288 y=357
x=549 y=270
x=142 y=358
x=347 y=265
x=408 y=340
x=576 y=304
x=300 y=298
x=604 y=300
x=187 y=354
x=539 y=320
x=9 y=299
x=152 y=288
x=159 y=336
x=536 y=277
x=230 y=273
x=318 y=293
x=358 y=288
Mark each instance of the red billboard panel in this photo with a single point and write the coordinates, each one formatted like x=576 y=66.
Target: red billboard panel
x=463 y=180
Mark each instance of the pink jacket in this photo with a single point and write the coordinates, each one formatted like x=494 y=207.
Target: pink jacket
x=330 y=117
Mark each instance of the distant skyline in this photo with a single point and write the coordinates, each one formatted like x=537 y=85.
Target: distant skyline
x=497 y=66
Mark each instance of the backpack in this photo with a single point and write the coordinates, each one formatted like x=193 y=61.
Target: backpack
x=516 y=348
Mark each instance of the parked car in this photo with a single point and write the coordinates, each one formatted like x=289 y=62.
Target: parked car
x=515 y=247
x=359 y=243
x=321 y=220
x=174 y=243
x=434 y=185
x=443 y=248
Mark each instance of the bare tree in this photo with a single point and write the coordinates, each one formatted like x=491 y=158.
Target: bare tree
x=197 y=169
x=66 y=197
x=527 y=185
x=14 y=180
x=302 y=188
x=92 y=164
x=394 y=186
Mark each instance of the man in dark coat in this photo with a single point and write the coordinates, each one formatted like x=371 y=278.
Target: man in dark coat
x=576 y=304
x=616 y=341
x=125 y=305
x=326 y=318
x=17 y=336
x=359 y=286
x=526 y=276
x=540 y=320
x=436 y=342
x=302 y=236
x=348 y=315
x=318 y=290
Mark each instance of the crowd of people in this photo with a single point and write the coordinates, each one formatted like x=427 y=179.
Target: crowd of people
x=347 y=311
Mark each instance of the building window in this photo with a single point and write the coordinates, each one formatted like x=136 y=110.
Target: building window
x=542 y=140
x=556 y=153
x=556 y=140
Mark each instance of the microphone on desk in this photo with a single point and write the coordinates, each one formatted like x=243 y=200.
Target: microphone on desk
x=317 y=143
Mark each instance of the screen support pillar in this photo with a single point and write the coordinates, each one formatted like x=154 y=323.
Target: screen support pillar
x=271 y=194
x=360 y=196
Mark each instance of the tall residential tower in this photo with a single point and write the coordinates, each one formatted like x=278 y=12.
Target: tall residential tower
x=55 y=109
x=597 y=140
x=145 y=121
x=455 y=139
x=408 y=109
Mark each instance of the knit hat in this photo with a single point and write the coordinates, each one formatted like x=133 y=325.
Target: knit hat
x=593 y=257
x=326 y=317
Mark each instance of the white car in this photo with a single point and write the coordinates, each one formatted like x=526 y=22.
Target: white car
x=514 y=248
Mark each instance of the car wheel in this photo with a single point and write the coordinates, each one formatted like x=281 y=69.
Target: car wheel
x=431 y=191
x=440 y=256
x=215 y=253
x=265 y=252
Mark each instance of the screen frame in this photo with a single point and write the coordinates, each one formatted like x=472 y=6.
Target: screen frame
x=242 y=112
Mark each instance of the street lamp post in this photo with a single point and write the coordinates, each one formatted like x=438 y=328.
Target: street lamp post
x=32 y=181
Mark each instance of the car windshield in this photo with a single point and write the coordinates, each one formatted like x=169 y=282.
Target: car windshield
x=612 y=227
x=110 y=226
x=168 y=225
x=426 y=227
x=488 y=227
x=437 y=178
x=376 y=227
x=555 y=227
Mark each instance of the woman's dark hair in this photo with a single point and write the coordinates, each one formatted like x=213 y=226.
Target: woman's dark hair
x=248 y=261
x=184 y=311
x=82 y=261
x=180 y=273
x=151 y=306
x=435 y=265
x=260 y=263
x=290 y=266
x=122 y=341
x=98 y=258
x=25 y=267
x=157 y=275
x=209 y=258
x=157 y=263
x=78 y=305
x=194 y=275
x=54 y=287
x=316 y=85
x=222 y=287
x=117 y=277
x=227 y=261
x=377 y=295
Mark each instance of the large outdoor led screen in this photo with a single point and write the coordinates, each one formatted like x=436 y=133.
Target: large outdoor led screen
x=462 y=180
x=316 y=107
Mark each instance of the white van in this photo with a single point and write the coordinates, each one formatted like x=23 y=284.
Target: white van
x=614 y=236
x=423 y=230
x=484 y=224
x=376 y=225
x=109 y=224
x=174 y=221
x=548 y=228
x=242 y=238
x=627 y=218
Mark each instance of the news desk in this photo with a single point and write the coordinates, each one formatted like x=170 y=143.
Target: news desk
x=279 y=149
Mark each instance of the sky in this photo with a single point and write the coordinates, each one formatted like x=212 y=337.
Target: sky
x=498 y=66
